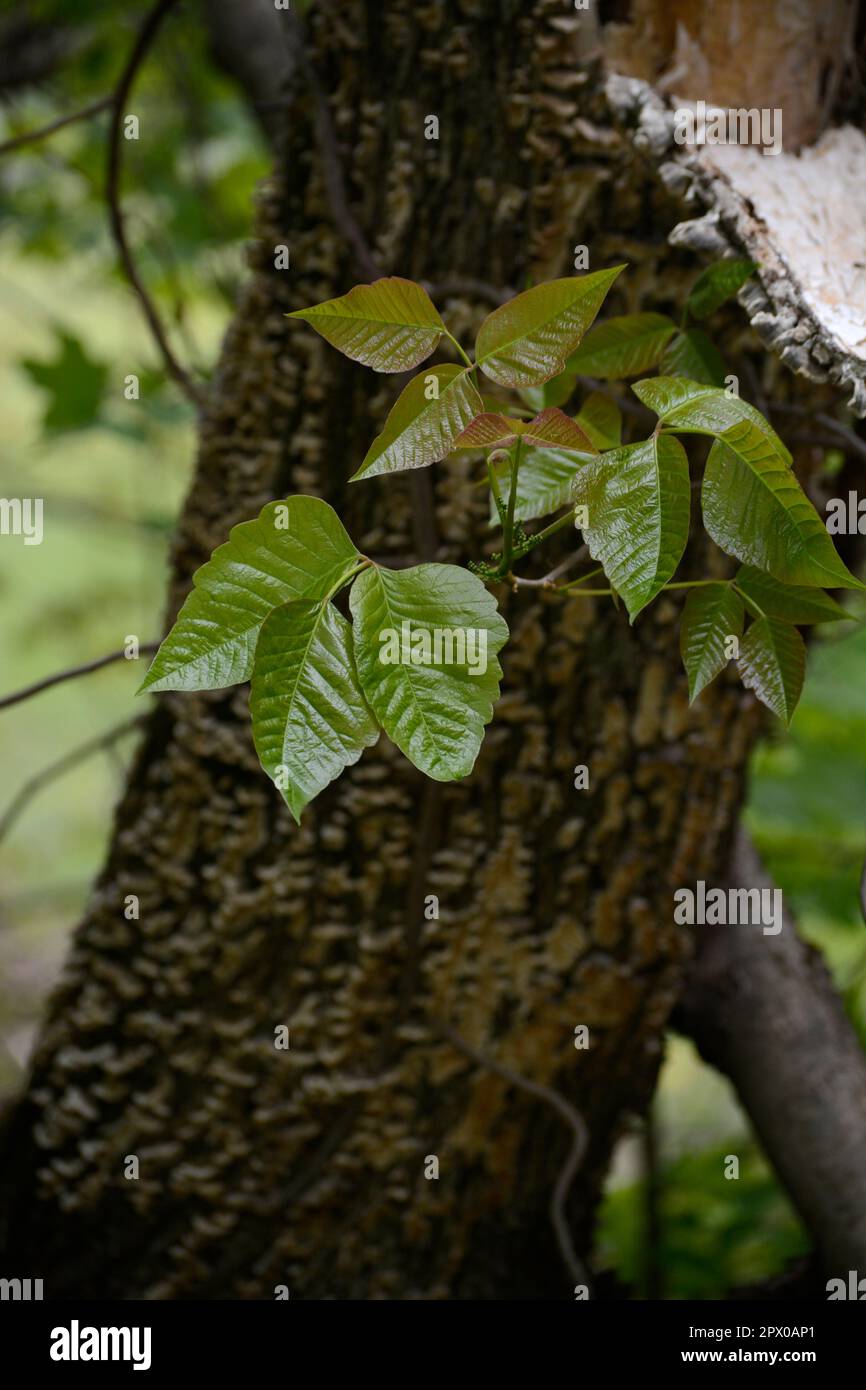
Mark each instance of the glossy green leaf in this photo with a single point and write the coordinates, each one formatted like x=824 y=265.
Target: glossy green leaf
x=712 y=614
x=638 y=501
x=625 y=346
x=694 y=408
x=434 y=710
x=693 y=354
x=601 y=419
x=391 y=325
x=309 y=716
x=755 y=509
x=422 y=427
x=718 y=283
x=766 y=597
x=544 y=484
x=773 y=664
x=550 y=429
x=295 y=549
x=529 y=339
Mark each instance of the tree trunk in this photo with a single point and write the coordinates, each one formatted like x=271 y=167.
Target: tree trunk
x=306 y=1167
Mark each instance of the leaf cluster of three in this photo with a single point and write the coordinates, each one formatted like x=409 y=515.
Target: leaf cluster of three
x=262 y=607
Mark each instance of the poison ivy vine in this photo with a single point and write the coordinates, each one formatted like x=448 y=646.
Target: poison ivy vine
x=418 y=656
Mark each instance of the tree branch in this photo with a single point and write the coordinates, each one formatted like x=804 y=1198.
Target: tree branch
x=69 y=674
x=56 y=769
x=146 y=35
x=29 y=137
x=764 y=1011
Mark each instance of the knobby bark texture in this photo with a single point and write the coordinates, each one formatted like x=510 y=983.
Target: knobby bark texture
x=305 y=1167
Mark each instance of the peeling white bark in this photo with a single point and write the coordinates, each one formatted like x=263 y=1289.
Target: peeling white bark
x=801 y=217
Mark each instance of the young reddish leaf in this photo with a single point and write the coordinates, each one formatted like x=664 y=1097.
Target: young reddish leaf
x=424 y=422
x=391 y=325
x=773 y=664
x=550 y=429
x=529 y=339
x=712 y=614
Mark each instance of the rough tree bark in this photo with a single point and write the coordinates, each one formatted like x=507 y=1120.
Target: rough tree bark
x=305 y=1167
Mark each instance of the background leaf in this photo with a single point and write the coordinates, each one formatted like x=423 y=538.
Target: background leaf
x=625 y=346
x=718 y=283
x=601 y=419
x=712 y=613
x=773 y=664
x=308 y=711
x=638 y=499
x=419 y=431
x=391 y=325
x=544 y=484
x=435 y=714
x=794 y=603
x=528 y=340
x=74 y=382
x=692 y=354
x=260 y=566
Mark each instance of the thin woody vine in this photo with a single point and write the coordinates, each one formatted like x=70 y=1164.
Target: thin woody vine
x=418 y=657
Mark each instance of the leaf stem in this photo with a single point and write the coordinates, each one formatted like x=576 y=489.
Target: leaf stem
x=466 y=359
x=508 y=537
x=553 y=527
x=341 y=583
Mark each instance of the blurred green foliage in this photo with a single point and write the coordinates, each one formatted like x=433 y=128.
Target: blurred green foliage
x=716 y=1233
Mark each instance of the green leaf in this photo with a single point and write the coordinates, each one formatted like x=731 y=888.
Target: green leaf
x=712 y=614
x=692 y=354
x=74 y=382
x=638 y=500
x=391 y=325
x=718 y=283
x=544 y=484
x=697 y=409
x=421 y=430
x=309 y=716
x=624 y=346
x=755 y=509
x=601 y=419
x=773 y=664
x=766 y=597
x=294 y=549
x=529 y=339
x=551 y=428
x=435 y=713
